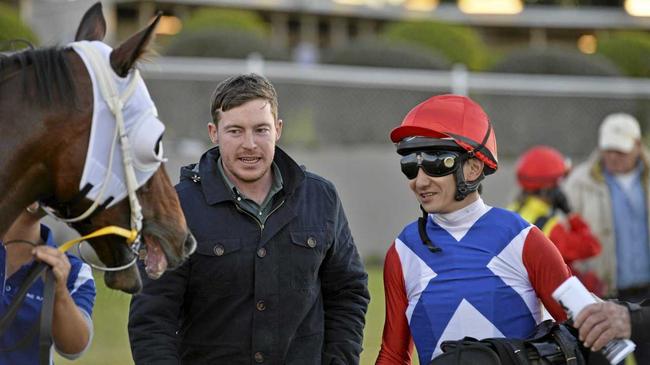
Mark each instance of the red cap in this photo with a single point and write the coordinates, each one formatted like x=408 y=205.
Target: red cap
x=452 y=116
x=541 y=167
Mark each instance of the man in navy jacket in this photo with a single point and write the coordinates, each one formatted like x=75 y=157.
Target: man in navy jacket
x=276 y=277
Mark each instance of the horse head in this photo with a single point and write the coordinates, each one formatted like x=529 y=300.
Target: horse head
x=46 y=148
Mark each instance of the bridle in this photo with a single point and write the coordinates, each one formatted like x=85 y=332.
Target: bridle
x=115 y=101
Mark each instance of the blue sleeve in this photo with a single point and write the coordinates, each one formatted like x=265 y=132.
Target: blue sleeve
x=81 y=284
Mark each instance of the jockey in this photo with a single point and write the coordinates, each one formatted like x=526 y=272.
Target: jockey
x=541 y=202
x=464 y=268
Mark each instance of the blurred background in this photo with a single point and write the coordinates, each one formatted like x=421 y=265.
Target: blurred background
x=347 y=71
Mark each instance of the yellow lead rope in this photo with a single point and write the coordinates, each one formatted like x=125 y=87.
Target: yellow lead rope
x=129 y=234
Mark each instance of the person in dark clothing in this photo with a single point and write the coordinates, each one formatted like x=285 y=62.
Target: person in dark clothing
x=276 y=277
x=602 y=322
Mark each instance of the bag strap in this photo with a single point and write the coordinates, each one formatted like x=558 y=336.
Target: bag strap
x=542 y=330
x=510 y=351
x=466 y=351
x=567 y=343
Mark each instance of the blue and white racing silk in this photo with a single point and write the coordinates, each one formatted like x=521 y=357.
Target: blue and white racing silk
x=487 y=281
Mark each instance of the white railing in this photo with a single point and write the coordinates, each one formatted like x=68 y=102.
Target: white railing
x=458 y=80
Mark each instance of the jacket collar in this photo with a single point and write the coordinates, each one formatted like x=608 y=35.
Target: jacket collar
x=215 y=189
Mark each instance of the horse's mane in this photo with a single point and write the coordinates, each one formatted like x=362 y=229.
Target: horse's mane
x=52 y=71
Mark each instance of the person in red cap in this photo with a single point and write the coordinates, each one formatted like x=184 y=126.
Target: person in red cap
x=540 y=170
x=464 y=268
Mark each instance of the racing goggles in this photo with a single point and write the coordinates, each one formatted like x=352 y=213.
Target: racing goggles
x=434 y=163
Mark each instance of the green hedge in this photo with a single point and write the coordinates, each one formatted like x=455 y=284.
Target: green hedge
x=375 y=52
x=457 y=43
x=205 y=19
x=222 y=42
x=630 y=51
x=555 y=61
x=12 y=27
x=223 y=33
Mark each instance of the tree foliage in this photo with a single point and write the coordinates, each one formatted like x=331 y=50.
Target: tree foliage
x=630 y=51
x=208 y=18
x=12 y=27
x=376 y=52
x=555 y=61
x=226 y=43
x=459 y=44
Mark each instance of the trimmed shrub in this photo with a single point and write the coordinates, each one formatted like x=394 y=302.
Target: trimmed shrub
x=382 y=53
x=568 y=122
x=555 y=61
x=226 y=43
x=12 y=27
x=205 y=19
x=459 y=44
x=630 y=51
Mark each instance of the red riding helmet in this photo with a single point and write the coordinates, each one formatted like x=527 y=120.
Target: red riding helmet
x=541 y=167
x=449 y=121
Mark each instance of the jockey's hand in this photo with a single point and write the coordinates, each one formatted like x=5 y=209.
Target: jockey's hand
x=59 y=262
x=602 y=322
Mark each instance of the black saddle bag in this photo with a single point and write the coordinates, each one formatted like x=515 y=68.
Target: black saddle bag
x=550 y=344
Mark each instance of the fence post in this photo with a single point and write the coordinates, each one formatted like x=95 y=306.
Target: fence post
x=255 y=63
x=459 y=76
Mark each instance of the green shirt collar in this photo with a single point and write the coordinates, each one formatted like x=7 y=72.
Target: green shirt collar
x=259 y=211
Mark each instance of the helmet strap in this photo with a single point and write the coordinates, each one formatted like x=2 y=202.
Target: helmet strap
x=464 y=188
x=483 y=142
x=422 y=230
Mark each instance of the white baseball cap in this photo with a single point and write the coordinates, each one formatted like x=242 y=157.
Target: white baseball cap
x=619 y=132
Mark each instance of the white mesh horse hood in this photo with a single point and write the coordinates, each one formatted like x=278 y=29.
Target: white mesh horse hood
x=142 y=126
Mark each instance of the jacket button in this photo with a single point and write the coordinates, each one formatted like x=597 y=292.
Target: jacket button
x=259 y=357
x=261 y=252
x=219 y=250
x=311 y=242
x=261 y=306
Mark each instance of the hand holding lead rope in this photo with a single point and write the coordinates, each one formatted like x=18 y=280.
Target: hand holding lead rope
x=59 y=263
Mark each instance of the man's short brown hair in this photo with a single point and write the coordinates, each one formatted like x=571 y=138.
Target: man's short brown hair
x=238 y=90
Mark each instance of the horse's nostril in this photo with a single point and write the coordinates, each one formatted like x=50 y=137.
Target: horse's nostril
x=190 y=244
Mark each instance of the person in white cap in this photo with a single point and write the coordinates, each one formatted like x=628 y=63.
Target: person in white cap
x=610 y=190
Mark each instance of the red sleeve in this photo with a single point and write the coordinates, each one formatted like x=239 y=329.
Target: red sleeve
x=577 y=242
x=546 y=269
x=396 y=342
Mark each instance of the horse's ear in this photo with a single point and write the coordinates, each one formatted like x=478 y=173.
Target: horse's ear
x=92 y=26
x=124 y=56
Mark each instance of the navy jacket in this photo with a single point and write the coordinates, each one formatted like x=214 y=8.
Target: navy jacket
x=291 y=291
x=640 y=320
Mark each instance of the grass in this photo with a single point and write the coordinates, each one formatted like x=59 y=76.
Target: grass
x=111 y=344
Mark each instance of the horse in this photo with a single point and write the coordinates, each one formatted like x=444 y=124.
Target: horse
x=47 y=103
